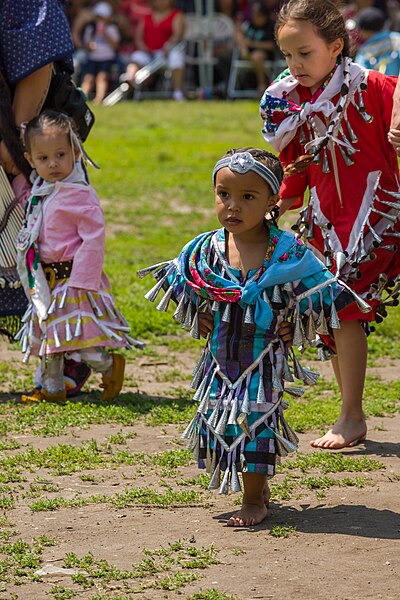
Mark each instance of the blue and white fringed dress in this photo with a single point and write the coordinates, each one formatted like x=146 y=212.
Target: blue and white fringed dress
x=244 y=370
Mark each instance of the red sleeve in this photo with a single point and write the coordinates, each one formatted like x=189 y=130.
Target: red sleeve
x=293 y=186
x=380 y=92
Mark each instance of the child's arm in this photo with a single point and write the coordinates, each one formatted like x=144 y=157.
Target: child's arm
x=89 y=258
x=285 y=204
x=295 y=185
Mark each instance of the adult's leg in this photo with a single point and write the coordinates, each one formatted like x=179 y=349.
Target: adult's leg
x=350 y=368
x=88 y=83
x=176 y=62
x=101 y=87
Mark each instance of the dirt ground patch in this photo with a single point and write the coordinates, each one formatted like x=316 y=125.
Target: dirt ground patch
x=343 y=546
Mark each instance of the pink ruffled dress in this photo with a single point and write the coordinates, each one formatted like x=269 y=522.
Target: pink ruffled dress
x=80 y=310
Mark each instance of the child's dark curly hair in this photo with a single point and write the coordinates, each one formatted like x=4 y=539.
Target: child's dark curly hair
x=268 y=159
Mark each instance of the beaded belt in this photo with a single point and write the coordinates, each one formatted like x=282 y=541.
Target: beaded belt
x=57 y=270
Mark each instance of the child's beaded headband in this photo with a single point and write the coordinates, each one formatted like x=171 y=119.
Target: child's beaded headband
x=242 y=162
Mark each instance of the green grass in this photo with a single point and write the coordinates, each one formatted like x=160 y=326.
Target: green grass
x=282 y=531
x=56 y=419
x=19 y=559
x=137 y=496
x=212 y=594
x=334 y=462
x=168 y=568
x=320 y=405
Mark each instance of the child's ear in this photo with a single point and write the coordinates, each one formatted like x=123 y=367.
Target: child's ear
x=337 y=46
x=273 y=200
x=27 y=157
x=77 y=153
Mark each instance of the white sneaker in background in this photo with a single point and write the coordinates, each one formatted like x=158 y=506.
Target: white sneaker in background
x=178 y=96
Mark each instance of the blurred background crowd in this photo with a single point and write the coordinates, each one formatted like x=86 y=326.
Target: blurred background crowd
x=204 y=48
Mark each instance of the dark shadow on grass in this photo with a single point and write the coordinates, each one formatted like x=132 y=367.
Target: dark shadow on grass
x=380 y=449
x=360 y=520
x=135 y=402
x=9 y=397
x=368 y=447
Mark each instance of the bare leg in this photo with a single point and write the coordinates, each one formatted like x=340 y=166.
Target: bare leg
x=255 y=501
x=350 y=368
x=336 y=370
x=101 y=87
x=130 y=73
x=87 y=84
x=177 y=79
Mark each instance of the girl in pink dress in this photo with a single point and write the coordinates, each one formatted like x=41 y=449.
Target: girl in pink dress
x=60 y=263
x=328 y=118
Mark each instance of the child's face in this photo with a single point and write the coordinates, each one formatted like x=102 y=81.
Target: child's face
x=51 y=154
x=309 y=57
x=242 y=200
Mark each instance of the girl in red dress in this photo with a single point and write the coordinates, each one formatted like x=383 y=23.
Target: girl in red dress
x=158 y=35
x=329 y=119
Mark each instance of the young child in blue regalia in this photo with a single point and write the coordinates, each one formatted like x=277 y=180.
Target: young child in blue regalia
x=235 y=286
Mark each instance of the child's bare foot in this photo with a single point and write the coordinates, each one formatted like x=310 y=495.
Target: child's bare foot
x=345 y=433
x=248 y=515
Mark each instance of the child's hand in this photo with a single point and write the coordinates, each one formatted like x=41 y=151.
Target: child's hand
x=286 y=333
x=206 y=324
x=394 y=139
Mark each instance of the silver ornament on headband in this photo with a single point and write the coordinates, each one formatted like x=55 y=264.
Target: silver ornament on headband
x=242 y=162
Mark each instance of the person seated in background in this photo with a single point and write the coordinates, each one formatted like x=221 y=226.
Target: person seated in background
x=80 y=14
x=158 y=35
x=101 y=39
x=131 y=12
x=381 y=48
x=255 y=41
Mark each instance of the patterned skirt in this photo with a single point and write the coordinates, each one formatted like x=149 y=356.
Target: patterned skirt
x=256 y=454
x=77 y=319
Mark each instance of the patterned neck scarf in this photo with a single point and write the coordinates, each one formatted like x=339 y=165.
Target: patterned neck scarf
x=276 y=109
x=283 y=116
x=288 y=260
